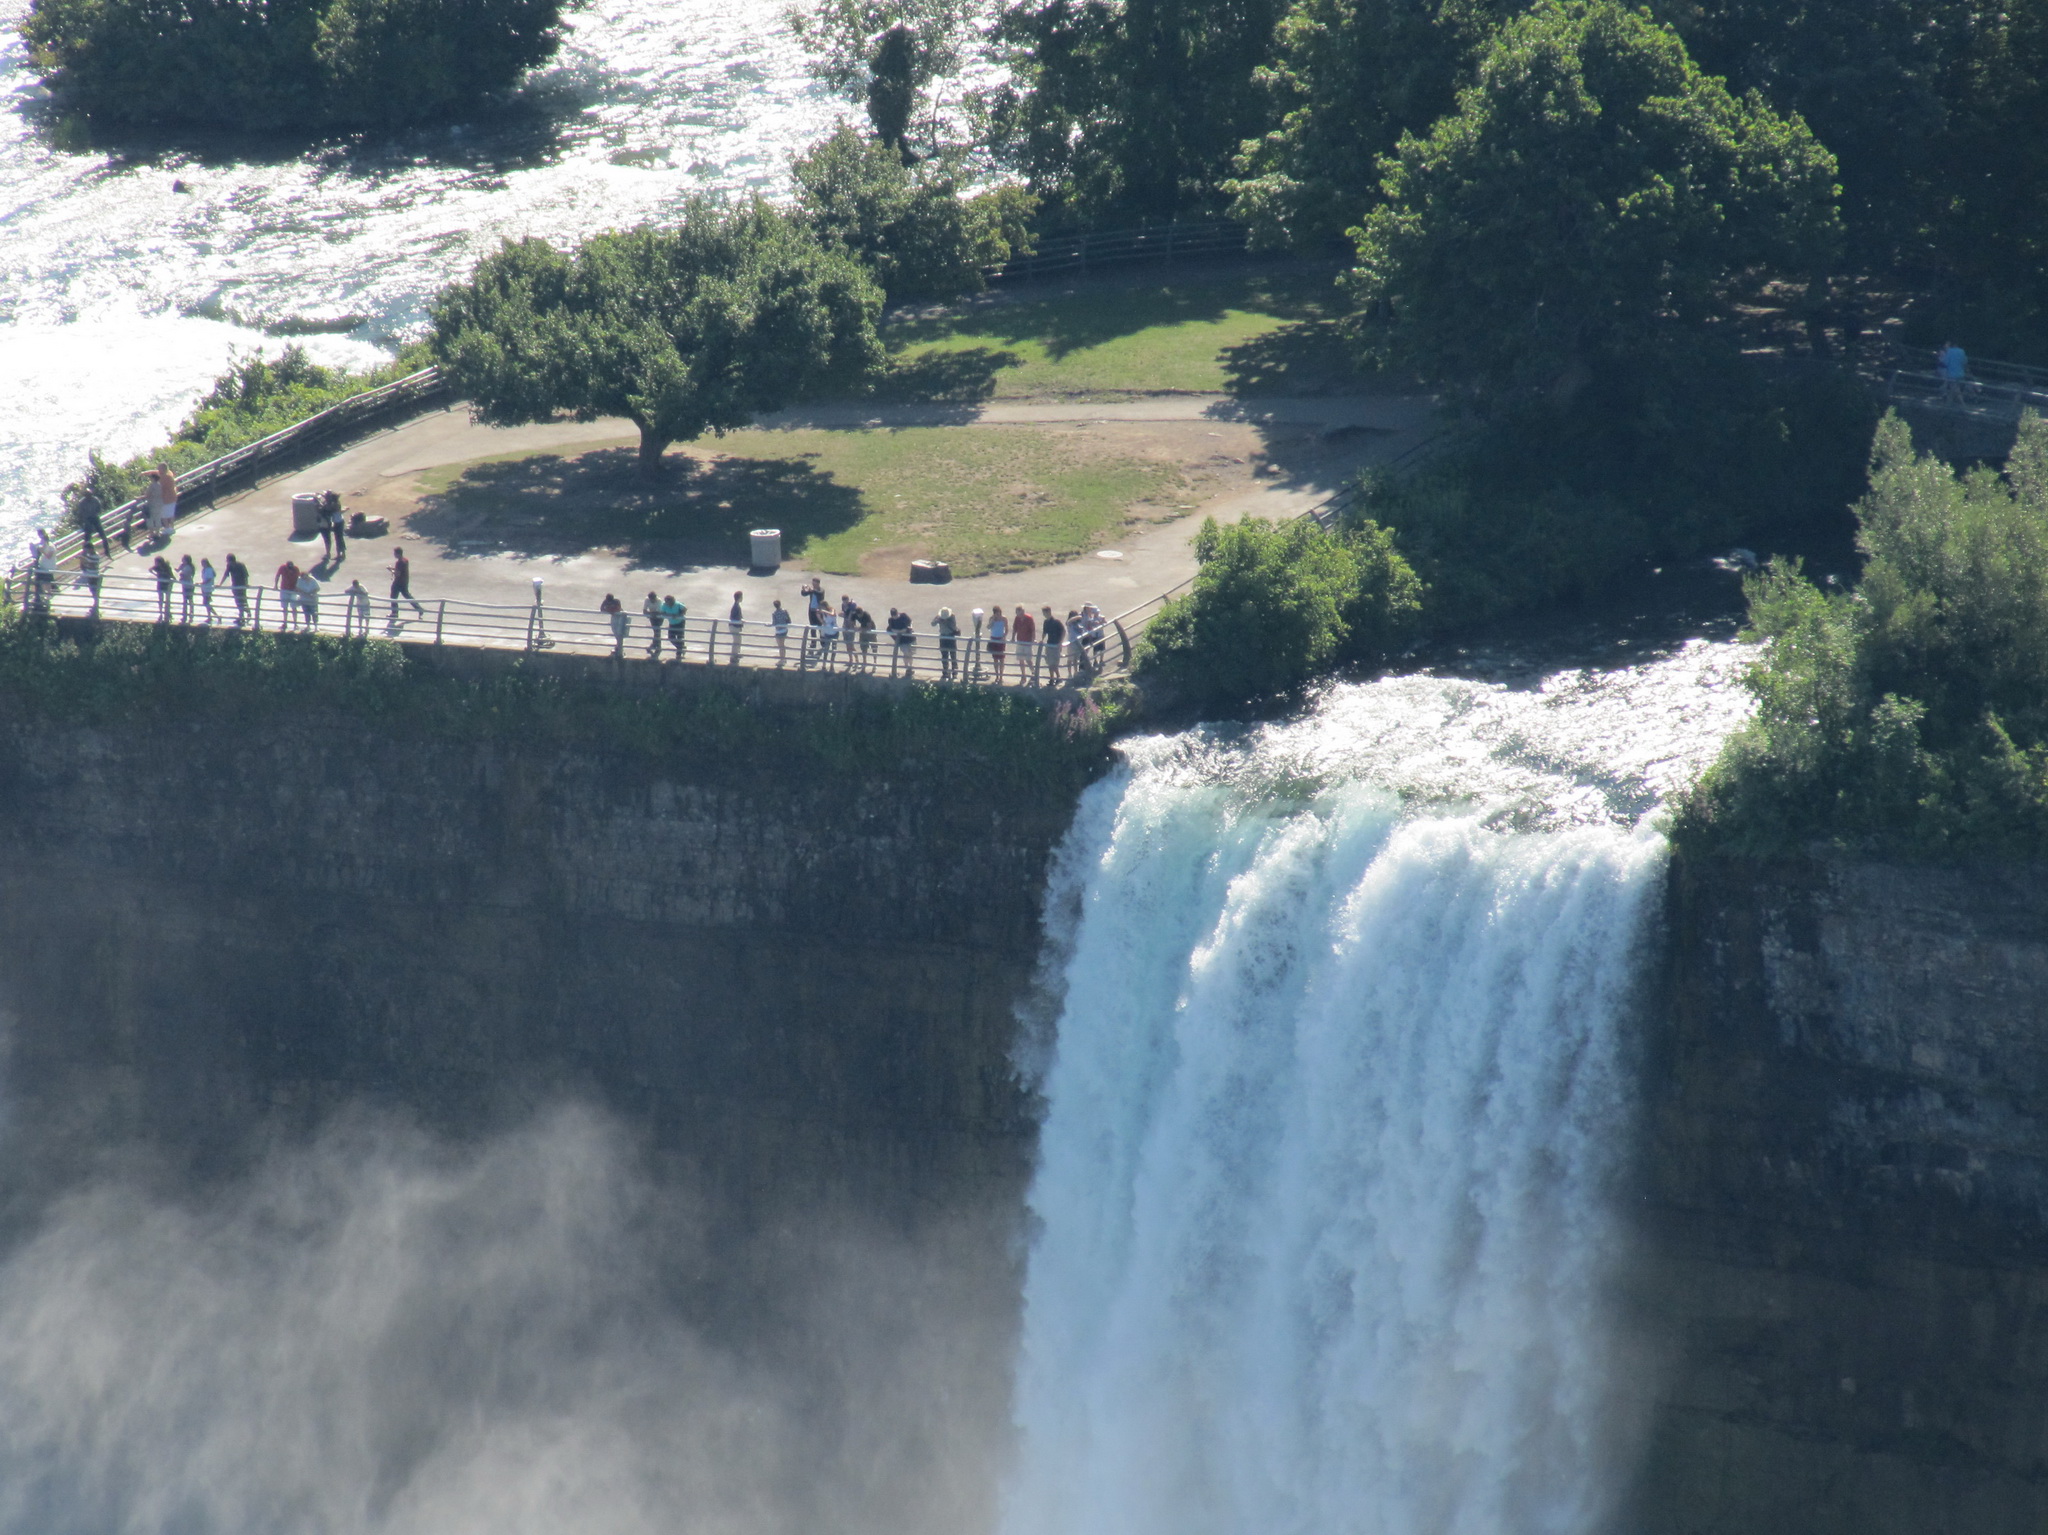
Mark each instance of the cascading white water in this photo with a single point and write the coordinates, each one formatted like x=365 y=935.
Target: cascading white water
x=1334 y=1110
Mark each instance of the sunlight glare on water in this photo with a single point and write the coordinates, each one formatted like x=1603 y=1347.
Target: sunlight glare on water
x=121 y=298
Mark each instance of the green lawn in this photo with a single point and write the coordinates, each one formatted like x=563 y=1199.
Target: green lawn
x=1250 y=335
x=982 y=498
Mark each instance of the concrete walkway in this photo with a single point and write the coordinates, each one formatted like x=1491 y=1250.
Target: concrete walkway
x=1342 y=434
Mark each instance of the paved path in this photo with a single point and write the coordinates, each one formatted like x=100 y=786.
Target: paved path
x=1346 y=431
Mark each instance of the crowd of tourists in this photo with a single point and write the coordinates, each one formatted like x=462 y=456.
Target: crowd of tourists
x=979 y=646
x=1016 y=647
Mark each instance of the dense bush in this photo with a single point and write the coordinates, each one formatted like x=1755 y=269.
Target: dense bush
x=1911 y=714
x=286 y=64
x=255 y=397
x=1649 y=463
x=1273 y=605
x=910 y=224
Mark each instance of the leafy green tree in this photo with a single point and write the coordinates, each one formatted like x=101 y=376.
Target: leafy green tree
x=910 y=224
x=435 y=56
x=1348 y=78
x=887 y=54
x=1273 y=605
x=1912 y=713
x=1132 y=109
x=286 y=64
x=681 y=331
x=1593 y=198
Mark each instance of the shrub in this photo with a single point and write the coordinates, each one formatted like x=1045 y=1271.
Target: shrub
x=909 y=224
x=1911 y=715
x=290 y=64
x=1274 y=605
x=255 y=397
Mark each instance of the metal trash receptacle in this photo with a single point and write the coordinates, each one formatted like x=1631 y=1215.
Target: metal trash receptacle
x=767 y=544
x=305 y=513
x=930 y=572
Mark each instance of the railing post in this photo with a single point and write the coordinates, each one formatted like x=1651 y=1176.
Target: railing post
x=259 y=608
x=440 y=618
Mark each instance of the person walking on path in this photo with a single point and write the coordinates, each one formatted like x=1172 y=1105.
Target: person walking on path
x=736 y=620
x=1052 y=638
x=401 y=584
x=326 y=531
x=238 y=588
x=1024 y=636
x=89 y=512
x=779 y=618
x=615 y=614
x=998 y=640
x=288 y=592
x=209 y=578
x=309 y=600
x=357 y=610
x=90 y=574
x=167 y=484
x=677 y=617
x=165 y=576
x=188 y=574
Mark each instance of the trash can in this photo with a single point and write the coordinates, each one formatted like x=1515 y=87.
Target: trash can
x=931 y=572
x=767 y=548
x=305 y=513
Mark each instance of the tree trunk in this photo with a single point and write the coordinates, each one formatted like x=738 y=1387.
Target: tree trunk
x=651 y=449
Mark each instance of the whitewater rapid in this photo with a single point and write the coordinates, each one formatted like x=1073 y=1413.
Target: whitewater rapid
x=1326 y=1203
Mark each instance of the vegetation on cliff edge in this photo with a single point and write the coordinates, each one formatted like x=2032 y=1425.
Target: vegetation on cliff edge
x=1910 y=715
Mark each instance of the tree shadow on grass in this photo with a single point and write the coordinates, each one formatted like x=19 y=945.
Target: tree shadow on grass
x=1094 y=315
x=1304 y=357
x=699 y=513
x=957 y=375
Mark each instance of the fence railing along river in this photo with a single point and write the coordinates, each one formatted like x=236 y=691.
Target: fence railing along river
x=701 y=638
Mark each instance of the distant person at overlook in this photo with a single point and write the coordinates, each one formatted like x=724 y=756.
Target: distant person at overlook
x=615 y=614
x=287 y=582
x=1953 y=363
x=238 y=588
x=88 y=513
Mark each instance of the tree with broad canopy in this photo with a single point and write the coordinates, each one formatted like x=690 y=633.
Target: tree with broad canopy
x=682 y=331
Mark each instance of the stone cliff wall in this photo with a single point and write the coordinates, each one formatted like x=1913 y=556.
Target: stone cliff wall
x=1845 y=1179
x=789 y=980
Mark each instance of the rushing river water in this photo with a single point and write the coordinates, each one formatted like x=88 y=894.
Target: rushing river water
x=1336 y=1108
x=121 y=297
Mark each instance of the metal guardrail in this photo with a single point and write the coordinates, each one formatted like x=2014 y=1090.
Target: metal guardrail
x=248 y=462
x=1993 y=390
x=701 y=639
x=1085 y=250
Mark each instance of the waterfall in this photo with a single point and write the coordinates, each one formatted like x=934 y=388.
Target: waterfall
x=1325 y=1210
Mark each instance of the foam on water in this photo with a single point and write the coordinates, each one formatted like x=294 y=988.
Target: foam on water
x=1325 y=1197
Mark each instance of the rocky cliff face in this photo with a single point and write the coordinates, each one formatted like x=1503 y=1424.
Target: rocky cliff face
x=1845 y=1179
x=790 y=981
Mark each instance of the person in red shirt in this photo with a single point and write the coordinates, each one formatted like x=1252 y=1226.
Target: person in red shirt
x=288 y=591
x=1024 y=635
